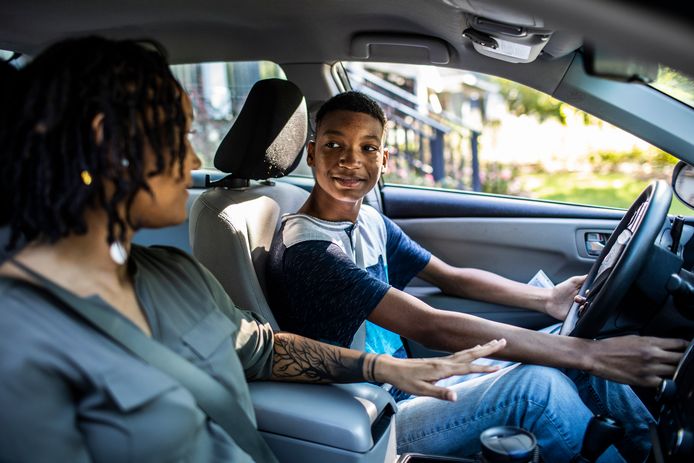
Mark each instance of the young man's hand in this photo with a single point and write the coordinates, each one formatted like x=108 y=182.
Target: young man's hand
x=419 y=376
x=636 y=360
x=562 y=297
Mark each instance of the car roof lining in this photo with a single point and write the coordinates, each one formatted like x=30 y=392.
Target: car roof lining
x=222 y=30
x=219 y=30
x=28 y=24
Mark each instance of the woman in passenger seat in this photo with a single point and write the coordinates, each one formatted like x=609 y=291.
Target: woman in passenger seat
x=97 y=148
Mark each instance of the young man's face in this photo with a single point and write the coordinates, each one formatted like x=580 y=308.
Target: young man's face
x=347 y=156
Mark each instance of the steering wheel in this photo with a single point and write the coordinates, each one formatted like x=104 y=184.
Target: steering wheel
x=620 y=262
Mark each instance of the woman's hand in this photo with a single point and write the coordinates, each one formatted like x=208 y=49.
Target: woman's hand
x=562 y=296
x=418 y=376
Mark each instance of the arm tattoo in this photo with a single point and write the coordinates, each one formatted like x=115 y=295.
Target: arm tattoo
x=300 y=359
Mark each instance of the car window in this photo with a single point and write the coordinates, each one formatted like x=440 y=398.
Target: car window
x=218 y=91
x=675 y=84
x=461 y=130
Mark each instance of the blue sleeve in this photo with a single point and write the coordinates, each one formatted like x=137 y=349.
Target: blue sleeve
x=327 y=295
x=405 y=257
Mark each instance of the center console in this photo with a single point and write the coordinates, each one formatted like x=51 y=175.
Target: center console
x=354 y=423
x=346 y=423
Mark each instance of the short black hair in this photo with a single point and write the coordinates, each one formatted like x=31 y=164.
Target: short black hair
x=351 y=101
x=54 y=168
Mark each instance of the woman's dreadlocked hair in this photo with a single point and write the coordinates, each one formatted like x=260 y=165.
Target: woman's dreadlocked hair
x=55 y=168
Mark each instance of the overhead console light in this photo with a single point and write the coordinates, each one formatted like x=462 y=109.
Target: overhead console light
x=507 y=42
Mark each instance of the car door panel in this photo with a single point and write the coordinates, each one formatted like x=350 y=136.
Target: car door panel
x=512 y=237
x=513 y=247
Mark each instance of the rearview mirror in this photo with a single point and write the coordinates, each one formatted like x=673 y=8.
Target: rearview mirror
x=617 y=66
x=683 y=183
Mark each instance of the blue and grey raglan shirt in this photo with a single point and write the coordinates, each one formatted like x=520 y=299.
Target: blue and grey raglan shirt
x=325 y=278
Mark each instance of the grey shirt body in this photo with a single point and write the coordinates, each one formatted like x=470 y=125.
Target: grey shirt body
x=68 y=393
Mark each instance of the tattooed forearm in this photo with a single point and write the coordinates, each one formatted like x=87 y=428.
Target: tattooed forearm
x=301 y=359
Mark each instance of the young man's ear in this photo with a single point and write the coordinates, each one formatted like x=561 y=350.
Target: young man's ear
x=384 y=166
x=310 y=152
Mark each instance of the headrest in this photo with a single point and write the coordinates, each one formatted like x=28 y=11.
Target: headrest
x=269 y=134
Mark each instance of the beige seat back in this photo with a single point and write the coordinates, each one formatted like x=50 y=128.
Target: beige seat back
x=233 y=223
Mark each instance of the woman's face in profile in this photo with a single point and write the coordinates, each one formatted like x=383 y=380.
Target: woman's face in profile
x=166 y=205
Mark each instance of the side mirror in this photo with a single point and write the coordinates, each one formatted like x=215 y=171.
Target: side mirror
x=683 y=183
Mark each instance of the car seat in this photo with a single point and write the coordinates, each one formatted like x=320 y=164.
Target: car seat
x=233 y=223
x=231 y=229
x=231 y=226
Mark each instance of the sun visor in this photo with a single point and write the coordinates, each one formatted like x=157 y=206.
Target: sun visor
x=399 y=47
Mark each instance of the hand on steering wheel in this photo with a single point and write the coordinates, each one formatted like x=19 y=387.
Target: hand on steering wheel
x=619 y=263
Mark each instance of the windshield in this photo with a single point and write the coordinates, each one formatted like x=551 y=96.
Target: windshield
x=675 y=84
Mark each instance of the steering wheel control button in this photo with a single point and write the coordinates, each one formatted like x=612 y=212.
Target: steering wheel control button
x=508 y=444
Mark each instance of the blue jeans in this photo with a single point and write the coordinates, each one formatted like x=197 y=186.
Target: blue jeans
x=554 y=404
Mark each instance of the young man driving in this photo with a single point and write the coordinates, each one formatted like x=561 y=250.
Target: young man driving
x=337 y=262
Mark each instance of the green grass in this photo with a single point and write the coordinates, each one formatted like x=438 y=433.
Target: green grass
x=614 y=190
